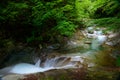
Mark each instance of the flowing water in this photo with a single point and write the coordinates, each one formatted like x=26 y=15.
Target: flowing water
x=75 y=60
x=98 y=41
x=53 y=63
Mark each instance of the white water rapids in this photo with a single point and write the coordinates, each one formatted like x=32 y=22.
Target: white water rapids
x=53 y=63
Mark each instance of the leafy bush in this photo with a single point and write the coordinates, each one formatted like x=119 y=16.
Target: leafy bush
x=83 y=8
x=53 y=18
x=118 y=61
x=36 y=20
x=111 y=23
x=105 y=8
x=41 y=20
x=97 y=8
x=65 y=28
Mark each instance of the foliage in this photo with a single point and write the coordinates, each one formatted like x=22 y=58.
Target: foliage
x=118 y=61
x=65 y=28
x=53 y=18
x=41 y=20
x=101 y=75
x=15 y=20
x=83 y=8
x=97 y=8
x=37 y=20
x=111 y=23
x=107 y=8
x=14 y=11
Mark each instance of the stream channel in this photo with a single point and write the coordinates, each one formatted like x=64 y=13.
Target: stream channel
x=92 y=43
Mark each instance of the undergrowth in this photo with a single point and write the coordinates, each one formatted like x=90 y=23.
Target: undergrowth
x=111 y=23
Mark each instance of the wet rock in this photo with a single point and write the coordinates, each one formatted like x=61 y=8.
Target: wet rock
x=77 y=58
x=87 y=42
x=68 y=74
x=91 y=32
x=113 y=35
x=91 y=36
x=54 y=46
x=18 y=56
x=78 y=64
x=101 y=75
x=13 y=77
x=74 y=44
x=56 y=74
x=90 y=29
x=63 y=62
x=86 y=46
x=113 y=39
x=115 y=53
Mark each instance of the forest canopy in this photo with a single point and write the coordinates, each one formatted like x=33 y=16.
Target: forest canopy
x=48 y=20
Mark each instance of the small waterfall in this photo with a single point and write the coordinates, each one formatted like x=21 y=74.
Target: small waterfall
x=98 y=40
x=63 y=61
x=37 y=64
x=21 y=68
x=24 y=68
x=53 y=63
x=50 y=62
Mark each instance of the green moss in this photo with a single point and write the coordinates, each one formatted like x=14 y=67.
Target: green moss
x=118 y=61
x=101 y=75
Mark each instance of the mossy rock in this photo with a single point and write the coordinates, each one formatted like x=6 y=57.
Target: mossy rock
x=101 y=75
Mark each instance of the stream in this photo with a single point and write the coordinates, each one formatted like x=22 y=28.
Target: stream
x=95 y=38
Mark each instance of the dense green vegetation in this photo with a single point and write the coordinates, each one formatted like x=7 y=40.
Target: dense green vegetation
x=48 y=21
x=103 y=13
x=40 y=23
x=36 y=20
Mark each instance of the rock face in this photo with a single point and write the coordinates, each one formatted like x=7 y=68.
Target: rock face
x=113 y=39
